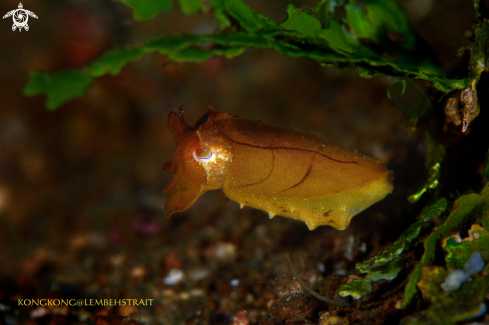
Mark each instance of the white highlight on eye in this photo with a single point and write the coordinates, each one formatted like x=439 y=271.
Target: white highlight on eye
x=209 y=158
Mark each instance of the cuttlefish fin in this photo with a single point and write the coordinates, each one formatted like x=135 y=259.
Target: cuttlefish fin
x=182 y=193
x=177 y=125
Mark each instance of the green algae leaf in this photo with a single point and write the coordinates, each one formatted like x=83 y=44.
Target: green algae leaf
x=222 y=18
x=411 y=287
x=460 y=305
x=479 y=55
x=430 y=247
x=486 y=170
x=455 y=306
x=485 y=193
x=387 y=15
x=60 y=86
x=442 y=84
x=461 y=209
x=301 y=21
x=393 y=251
x=388 y=264
x=193 y=54
x=435 y=153
x=485 y=215
x=317 y=33
x=433 y=211
x=430 y=183
x=172 y=44
x=383 y=23
x=148 y=9
x=386 y=272
x=193 y=48
x=457 y=277
x=360 y=24
x=340 y=40
x=242 y=13
x=430 y=281
x=113 y=62
x=357 y=288
x=460 y=251
x=190 y=7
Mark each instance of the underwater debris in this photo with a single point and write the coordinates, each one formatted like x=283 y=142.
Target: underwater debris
x=475 y=264
x=241 y=318
x=477 y=43
x=456 y=277
x=454 y=280
x=328 y=319
x=452 y=111
x=468 y=97
x=306 y=287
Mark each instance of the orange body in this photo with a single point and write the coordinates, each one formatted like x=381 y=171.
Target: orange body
x=281 y=172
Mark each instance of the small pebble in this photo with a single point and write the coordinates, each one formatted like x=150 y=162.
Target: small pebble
x=241 y=318
x=198 y=274
x=327 y=319
x=225 y=252
x=482 y=310
x=173 y=277
x=138 y=272
x=454 y=280
x=38 y=312
x=475 y=264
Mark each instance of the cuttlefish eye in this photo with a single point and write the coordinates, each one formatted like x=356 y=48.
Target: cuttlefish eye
x=210 y=157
